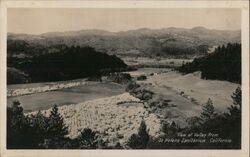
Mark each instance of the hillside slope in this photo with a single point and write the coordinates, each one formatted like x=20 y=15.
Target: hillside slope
x=68 y=63
x=223 y=64
x=146 y=42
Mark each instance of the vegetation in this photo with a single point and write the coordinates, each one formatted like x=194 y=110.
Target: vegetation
x=15 y=76
x=208 y=111
x=141 y=78
x=40 y=132
x=121 y=78
x=184 y=50
x=68 y=63
x=225 y=126
x=88 y=139
x=167 y=42
x=131 y=86
x=140 y=140
x=223 y=64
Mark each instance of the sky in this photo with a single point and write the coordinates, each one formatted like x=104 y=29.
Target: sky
x=42 y=20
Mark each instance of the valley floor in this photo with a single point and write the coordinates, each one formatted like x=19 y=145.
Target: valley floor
x=187 y=93
x=117 y=114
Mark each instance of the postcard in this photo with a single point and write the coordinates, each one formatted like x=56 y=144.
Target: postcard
x=124 y=78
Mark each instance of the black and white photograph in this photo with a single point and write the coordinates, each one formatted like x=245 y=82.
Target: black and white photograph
x=124 y=78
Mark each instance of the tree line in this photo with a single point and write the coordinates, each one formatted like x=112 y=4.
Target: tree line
x=37 y=131
x=68 y=63
x=222 y=64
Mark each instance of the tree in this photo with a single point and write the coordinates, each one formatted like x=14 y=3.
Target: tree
x=140 y=140
x=237 y=97
x=170 y=129
x=208 y=111
x=38 y=124
x=16 y=126
x=88 y=139
x=57 y=127
x=15 y=114
x=134 y=141
x=223 y=64
x=235 y=109
x=143 y=133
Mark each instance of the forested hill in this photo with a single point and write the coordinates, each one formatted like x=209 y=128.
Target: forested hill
x=167 y=42
x=223 y=64
x=68 y=63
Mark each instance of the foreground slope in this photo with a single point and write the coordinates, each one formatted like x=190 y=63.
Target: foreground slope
x=116 y=117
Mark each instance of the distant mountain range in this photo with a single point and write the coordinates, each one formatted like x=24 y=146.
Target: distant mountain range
x=140 y=42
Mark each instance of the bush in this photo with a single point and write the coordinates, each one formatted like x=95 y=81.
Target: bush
x=141 y=78
x=142 y=94
x=121 y=78
x=132 y=86
x=95 y=78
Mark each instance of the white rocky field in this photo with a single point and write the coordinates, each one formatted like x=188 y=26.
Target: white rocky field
x=116 y=117
x=47 y=88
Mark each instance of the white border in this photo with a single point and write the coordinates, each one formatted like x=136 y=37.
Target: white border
x=244 y=5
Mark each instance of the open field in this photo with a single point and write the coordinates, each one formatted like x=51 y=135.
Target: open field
x=186 y=93
x=45 y=100
x=31 y=88
x=192 y=86
x=188 y=86
x=154 y=62
x=42 y=84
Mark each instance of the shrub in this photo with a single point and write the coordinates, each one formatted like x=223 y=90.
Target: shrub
x=95 y=78
x=132 y=86
x=141 y=78
x=142 y=94
x=121 y=78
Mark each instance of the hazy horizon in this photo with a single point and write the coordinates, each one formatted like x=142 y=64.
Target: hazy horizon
x=124 y=30
x=39 y=20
